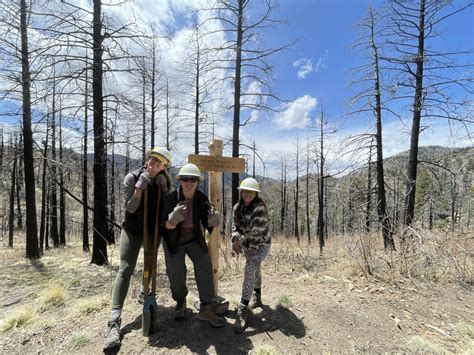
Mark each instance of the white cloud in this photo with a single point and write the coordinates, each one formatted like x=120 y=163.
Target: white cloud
x=305 y=66
x=296 y=113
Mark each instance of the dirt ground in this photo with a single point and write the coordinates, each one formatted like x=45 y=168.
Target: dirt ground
x=313 y=305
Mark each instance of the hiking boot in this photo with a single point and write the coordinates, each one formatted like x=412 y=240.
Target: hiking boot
x=220 y=308
x=241 y=321
x=180 y=310
x=113 y=335
x=256 y=301
x=207 y=313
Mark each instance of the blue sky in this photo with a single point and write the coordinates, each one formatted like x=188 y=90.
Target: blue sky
x=326 y=31
x=313 y=71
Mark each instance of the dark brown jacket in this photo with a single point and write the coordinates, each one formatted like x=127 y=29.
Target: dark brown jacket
x=201 y=207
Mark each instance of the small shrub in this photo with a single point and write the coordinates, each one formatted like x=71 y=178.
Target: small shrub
x=304 y=278
x=465 y=330
x=233 y=302
x=17 y=319
x=53 y=295
x=264 y=350
x=92 y=305
x=78 y=340
x=418 y=343
x=75 y=283
x=284 y=302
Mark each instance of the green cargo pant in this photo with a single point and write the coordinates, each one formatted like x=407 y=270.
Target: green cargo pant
x=130 y=245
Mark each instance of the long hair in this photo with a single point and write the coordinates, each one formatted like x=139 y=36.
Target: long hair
x=164 y=172
x=241 y=205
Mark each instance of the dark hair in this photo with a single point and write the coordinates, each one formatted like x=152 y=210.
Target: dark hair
x=164 y=172
x=168 y=178
x=241 y=205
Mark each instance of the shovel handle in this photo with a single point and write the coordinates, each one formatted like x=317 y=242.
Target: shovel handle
x=156 y=242
x=146 y=271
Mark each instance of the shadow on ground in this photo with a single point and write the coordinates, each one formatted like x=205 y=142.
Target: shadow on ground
x=200 y=337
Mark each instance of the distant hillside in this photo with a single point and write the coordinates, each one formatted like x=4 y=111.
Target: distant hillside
x=445 y=190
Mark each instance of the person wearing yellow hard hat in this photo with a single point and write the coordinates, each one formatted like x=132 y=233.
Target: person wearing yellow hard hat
x=250 y=236
x=154 y=178
x=186 y=214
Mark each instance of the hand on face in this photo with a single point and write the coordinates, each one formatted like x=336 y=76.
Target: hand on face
x=154 y=166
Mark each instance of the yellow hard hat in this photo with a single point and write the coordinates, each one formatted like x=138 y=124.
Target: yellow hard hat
x=162 y=154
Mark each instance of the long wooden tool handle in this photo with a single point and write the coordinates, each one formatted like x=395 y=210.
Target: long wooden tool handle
x=156 y=242
x=146 y=258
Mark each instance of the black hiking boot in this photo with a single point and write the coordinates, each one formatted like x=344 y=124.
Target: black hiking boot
x=113 y=335
x=241 y=321
x=256 y=301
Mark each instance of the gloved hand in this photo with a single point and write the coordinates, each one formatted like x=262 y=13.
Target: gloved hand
x=213 y=218
x=143 y=181
x=237 y=245
x=161 y=181
x=177 y=215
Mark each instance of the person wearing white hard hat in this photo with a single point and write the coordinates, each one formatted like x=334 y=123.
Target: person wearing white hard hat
x=250 y=236
x=186 y=213
x=153 y=178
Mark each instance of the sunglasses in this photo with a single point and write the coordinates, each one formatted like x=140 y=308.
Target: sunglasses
x=185 y=179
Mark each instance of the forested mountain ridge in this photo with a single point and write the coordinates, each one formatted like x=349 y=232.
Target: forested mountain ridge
x=445 y=191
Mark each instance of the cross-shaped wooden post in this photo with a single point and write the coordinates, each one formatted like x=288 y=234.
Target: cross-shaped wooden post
x=216 y=164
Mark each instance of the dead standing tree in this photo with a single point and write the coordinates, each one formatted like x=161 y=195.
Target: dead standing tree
x=297 y=192
x=99 y=250
x=426 y=74
x=15 y=45
x=202 y=73
x=369 y=100
x=321 y=160
x=32 y=249
x=307 y=194
x=251 y=69
x=283 y=197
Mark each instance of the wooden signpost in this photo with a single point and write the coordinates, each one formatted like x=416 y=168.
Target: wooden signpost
x=216 y=164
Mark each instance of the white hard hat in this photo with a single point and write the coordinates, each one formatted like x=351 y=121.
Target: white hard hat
x=189 y=170
x=161 y=153
x=249 y=184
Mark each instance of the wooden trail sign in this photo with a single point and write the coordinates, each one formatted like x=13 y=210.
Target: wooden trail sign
x=216 y=164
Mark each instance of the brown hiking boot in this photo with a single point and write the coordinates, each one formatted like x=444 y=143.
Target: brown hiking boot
x=220 y=308
x=256 y=301
x=207 y=313
x=180 y=310
x=113 y=335
x=241 y=321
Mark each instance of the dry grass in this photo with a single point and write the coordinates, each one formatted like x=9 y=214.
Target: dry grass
x=284 y=302
x=419 y=344
x=19 y=318
x=304 y=278
x=264 y=350
x=466 y=333
x=444 y=259
x=466 y=330
x=52 y=295
x=78 y=340
x=92 y=304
